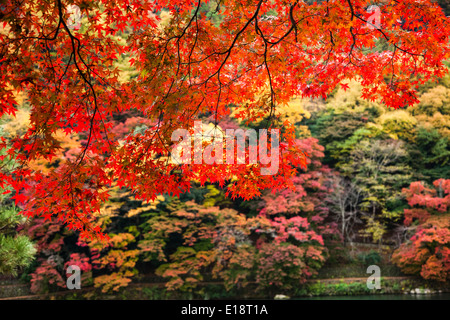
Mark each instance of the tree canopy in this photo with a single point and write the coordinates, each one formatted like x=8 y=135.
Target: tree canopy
x=244 y=58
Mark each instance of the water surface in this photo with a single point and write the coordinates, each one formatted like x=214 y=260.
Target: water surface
x=439 y=296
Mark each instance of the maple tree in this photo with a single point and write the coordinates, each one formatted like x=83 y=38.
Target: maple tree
x=190 y=240
x=255 y=56
x=311 y=189
x=425 y=201
x=106 y=265
x=428 y=251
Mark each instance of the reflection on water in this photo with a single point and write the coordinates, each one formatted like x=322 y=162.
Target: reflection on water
x=441 y=296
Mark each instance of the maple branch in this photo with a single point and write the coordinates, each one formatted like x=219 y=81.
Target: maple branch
x=228 y=51
x=76 y=51
x=379 y=30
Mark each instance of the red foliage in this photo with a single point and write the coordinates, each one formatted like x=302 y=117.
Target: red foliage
x=428 y=251
x=188 y=67
x=426 y=201
x=46 y=274
x=307 y=199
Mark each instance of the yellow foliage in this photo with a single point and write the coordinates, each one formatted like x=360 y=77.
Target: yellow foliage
x=438 y=121
x=399 y=123
x=111 y=282
x=165 y=19
x=17 y=126
x=294 y=111
x=126 y=71
x=67 y=144
x=151 y=205
x=374 y=228
x=436 y=99
x=350 y=100
x=21 y=98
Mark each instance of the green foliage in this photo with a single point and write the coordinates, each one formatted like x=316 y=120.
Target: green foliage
x=335 y=289
x=399 y=124
x=431 y=154
x=215 y=197
x=351 y=288
x=15 y=253
x=16 y=250
x=331 y=128
x=378 y=168
x=381 y=151
x=370 y=258
x=340 y=150
x=436 y=99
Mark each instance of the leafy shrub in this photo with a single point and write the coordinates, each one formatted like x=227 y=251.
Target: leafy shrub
x=370 y=258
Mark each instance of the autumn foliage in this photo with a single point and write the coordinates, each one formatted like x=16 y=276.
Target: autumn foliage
x=428 y=251
x=88 y=109
x=187 y=66
x=193 y=241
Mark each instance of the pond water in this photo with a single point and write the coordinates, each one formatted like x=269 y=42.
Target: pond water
x=440 y=296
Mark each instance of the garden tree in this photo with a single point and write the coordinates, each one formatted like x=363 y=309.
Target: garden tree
x=51 y=254
x=16 y=250
x=117 y=257
x=191 y=239
x=344 y=120
x=426 y=201
x=189 y=66
x=439 y=121
x=106 y=265
x=333 y=129
x=428 y=252
x=398 y=124
x=436 y=99
x=378 y=168
x=433 y=108
x=344 y=203
x=430 y=150
x=431 y=153
x=311 y=190
x=187 y=238
x=340 y=151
